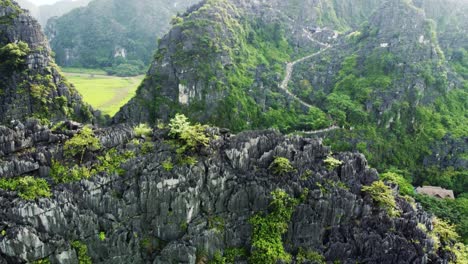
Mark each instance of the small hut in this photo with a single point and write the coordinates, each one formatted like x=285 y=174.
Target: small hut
x=436 y=191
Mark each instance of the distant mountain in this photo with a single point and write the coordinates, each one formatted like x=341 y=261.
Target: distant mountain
x=110 y=33
x=43 y=12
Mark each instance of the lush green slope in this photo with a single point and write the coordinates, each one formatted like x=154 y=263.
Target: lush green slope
x=116 y=34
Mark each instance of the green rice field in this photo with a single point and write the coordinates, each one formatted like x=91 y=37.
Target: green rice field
x=103 y=92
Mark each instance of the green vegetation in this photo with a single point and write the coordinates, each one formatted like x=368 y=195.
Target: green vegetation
x=218 y=258
x=307 y=256
x=125 y=48
x=168 y=165
x=189 y=136
x=64 y=174
x=233 y=254
x=27 y=187
x=332 y=163
x=82 y=142
x=109 y=163
x=382 y=195
x=281 y=166
x=82 y=252
x=105 y=93
x=216 y=223
x=267 y=244
x=7 y=18
x=42 y=261
x=102 y=236
x=143 y=130
x=13 y=56
x=452 y=211
x=230 y=256
x=405 y=186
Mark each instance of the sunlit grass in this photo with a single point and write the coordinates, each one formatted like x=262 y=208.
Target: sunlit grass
x=105 y=93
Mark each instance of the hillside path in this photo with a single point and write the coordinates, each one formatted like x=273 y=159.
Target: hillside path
x=287 y=78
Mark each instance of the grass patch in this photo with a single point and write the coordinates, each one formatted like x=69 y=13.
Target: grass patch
x=103 y=92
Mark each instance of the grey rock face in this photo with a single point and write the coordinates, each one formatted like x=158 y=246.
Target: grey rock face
x=152 y=215
x=54 y=98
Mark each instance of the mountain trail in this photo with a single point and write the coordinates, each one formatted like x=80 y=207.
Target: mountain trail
x=288 y=74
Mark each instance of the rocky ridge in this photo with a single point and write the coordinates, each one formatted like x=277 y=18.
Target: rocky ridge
x=151 y=214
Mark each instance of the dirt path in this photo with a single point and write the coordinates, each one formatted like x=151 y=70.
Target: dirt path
x=287 y=78
x=289 y=70
x=321 y=130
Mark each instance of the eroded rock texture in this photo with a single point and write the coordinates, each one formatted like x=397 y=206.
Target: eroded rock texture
x=154 y=215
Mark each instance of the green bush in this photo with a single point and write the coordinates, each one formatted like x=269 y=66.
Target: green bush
x=217 y=258
x=167 y=165
x=63 y=174
x=453 y=211
x=332 y=163
x=233 y=254
x=382 y=195
x=267 y=244
x=84 y=141
x=405 y=186
x=309 y=256
x=111 y=162
x=143 y=130
x=82 y=252
x=281 y=166
x=190 y=136
x=28 y=187
x=13 y=55
x=102 y=236
x=461 y=253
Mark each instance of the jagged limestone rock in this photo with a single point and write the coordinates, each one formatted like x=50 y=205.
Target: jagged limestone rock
x=153 y=215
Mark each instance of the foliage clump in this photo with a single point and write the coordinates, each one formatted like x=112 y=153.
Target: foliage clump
x=405 y=186
x=109 y=163
x=454 y=211
x=383 y=196
x=28 y=187
x=281 y=166
x=143 y=130
x=267 y=244
x=167 y=165
x=309 y=256
x=82 y=252
x=102 y=236
x=63 y=174
x=13 y=55
x=190 y=136
x=84 y=141
x=332 y=163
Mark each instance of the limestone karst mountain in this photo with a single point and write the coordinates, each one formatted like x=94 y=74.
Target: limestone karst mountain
x=31 y=84
x=368 y=75
x=117 y=34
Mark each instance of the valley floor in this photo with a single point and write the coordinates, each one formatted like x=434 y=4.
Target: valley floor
x=103 y=92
